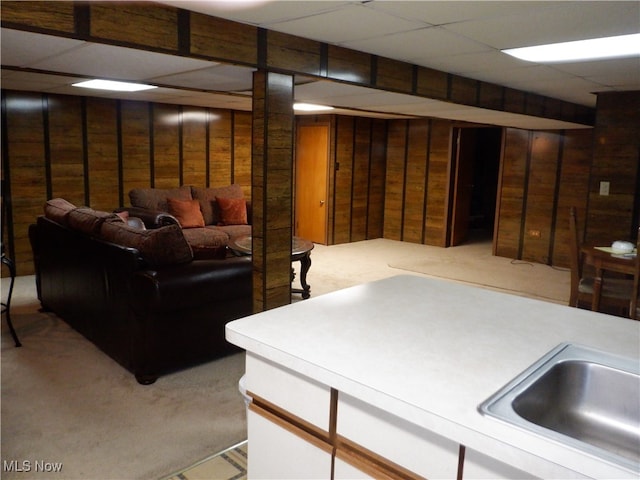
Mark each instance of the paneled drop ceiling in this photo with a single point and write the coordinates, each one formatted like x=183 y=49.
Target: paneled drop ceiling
x=459 y=37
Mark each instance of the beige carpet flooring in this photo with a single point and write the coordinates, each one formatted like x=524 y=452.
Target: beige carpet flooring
x=64 y=401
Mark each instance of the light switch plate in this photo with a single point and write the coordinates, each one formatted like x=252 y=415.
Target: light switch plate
x=604 y=188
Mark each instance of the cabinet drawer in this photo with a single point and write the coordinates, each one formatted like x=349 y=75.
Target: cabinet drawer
x=280 y=451
x=420 y=451
x=296 y=394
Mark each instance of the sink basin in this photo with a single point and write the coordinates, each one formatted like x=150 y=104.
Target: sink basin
x=584 y=398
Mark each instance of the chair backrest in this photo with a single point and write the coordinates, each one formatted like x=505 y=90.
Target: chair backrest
x=575 y=261
x=633 y=308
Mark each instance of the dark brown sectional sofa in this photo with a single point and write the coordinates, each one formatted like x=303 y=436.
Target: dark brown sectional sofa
x=209 y=217
x=136 y=293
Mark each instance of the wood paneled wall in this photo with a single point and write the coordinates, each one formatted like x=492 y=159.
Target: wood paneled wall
x=616 y=159
x=359 y=176
x=542 y=175
x=417 y=180
x=92 y=151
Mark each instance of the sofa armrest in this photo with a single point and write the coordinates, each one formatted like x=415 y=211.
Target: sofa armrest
x=151 y=218
x=199 y=282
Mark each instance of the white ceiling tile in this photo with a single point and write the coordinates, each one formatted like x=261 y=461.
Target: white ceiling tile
x=557 y=22
x=24 y=49
x=259 y=12
x=118 y=62
x=444 y=12
x=346 y=24
x=221 y=77
x=416 y=45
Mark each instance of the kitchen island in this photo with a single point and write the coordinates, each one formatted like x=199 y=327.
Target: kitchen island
x=385 y=378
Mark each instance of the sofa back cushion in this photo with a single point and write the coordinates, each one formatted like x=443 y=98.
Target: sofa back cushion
x=159 y=247
x=156 y=198
x=57 y=209
x=207 y=199
x=89 y=221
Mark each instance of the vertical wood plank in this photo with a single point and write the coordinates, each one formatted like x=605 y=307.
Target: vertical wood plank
x=438 y=183
x=375 y=204
x=414 y=202
x=102 y=154
x=394 y=185
x=27 y=165
x=545 y=148
x=360 y=179
x=573 y=190
x=242 y=151
x=513 y=174
x=220 y=147
x=194 y=146
x=136 y=163
x=345 y=131
x=66 y=148
x=166 y=160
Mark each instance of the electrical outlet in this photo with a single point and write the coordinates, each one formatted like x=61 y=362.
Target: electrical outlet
x=535 y=233
x=604 y=188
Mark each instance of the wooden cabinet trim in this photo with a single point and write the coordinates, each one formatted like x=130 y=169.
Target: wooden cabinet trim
x=371 y=463
x=289 y=421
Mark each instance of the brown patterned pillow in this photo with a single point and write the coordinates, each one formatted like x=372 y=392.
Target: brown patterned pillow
x=207 y=199
x=233 y=211
x=187 y=212
x=57 y=209
x=159 y=246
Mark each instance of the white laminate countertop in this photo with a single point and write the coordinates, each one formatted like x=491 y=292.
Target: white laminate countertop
x=430 y=351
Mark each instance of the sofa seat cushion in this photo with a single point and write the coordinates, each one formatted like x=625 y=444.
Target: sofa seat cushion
x=159 y=246
x=156 y=198
x=207 y=242
x=234 y=230
x=207 y=199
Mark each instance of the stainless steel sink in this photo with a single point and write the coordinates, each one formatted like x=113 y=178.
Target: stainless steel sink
x=584 y=398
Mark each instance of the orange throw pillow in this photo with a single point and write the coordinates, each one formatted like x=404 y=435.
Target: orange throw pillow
x=187 y=212
x=233 y=211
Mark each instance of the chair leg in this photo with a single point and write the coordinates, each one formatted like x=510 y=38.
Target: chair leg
x=6 y=307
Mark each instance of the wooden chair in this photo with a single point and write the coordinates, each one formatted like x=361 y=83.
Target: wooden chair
x=634 y=309
x=616 y=293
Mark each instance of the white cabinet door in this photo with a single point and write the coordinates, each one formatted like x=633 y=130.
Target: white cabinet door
x=276 y=452
x=478 y=467
x=402 y=443
x=344 y=471
x=297 y=395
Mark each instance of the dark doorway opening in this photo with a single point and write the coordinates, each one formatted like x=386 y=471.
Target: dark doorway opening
x=475 y=184
x=485 y=182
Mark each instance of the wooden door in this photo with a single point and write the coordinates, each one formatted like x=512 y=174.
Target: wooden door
x=464 y=153
x=312 y=161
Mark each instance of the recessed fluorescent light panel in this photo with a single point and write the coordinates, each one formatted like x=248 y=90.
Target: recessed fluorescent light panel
x=581 y=50
x=310 y=107
x=114 y=86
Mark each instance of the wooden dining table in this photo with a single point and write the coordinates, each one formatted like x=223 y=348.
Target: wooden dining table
x=604 y=260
